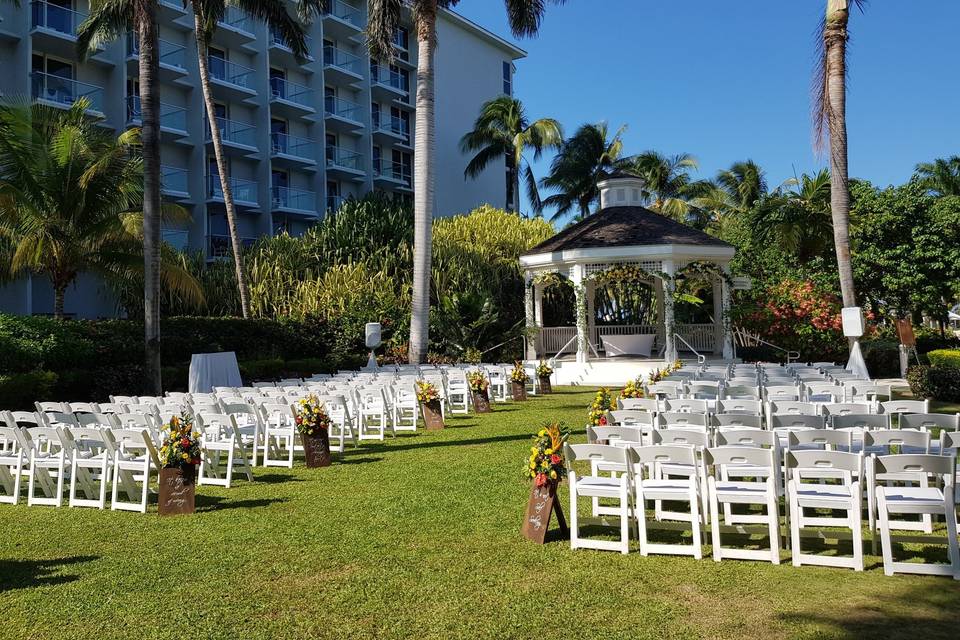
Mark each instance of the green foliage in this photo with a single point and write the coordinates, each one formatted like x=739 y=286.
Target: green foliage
x=19 y=391
x=941 y=383
x=944 y=358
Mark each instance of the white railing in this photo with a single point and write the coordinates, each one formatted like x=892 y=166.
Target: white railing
x=554 y=340
x=700 y=337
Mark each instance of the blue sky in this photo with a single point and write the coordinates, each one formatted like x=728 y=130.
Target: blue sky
x=729 y=80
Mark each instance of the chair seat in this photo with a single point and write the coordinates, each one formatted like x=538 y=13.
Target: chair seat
x=664 y=489
x=598 y=486
x=899 y=497
x=822 y=493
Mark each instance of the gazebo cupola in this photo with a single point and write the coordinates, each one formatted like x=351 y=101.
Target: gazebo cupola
x=625 y=237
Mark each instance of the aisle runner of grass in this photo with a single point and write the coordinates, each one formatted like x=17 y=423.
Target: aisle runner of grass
x=417 y=537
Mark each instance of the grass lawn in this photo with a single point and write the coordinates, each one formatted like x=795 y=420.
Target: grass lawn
x=418 y=537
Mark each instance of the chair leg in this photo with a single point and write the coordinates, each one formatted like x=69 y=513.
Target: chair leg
x=953 y=546
x=624 y=521
x=856 y=527
x=696 y=523
x=574 y=524
x=773 y=520
x=794 y=526
x=715 y=522
x=885 y=542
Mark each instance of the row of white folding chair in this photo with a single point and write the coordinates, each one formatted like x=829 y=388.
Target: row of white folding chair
x=89 y=457
x=639 y=480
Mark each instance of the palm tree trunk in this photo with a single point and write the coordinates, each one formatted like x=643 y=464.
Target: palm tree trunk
x=222 y=168
x=835 y=45
x=516 y=186
x=59 y=292
x=423 y=182
x=149 y=69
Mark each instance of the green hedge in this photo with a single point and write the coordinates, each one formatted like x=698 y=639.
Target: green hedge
x=941 y=383
x=944 y=358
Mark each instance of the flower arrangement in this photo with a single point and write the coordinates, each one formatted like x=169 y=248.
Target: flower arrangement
x=598 y=409
x=546 y=460
x=478 y=381
x=311 y=416
x=519 y=374
x=426 y=392
x=181 y=444
x=659 y=374
x=544 y=370
x=633 y=389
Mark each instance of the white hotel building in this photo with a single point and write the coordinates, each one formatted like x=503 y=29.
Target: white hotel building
x=300 y=137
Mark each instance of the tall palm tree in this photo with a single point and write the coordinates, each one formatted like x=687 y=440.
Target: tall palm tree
x=108 y=20
x=502 y=129
x=70 y=198
x=382 y=20
x=942 y=176
x=733 y=193
x=206 y=15
x=583 y=160
x=668 y=186
x=799 y=219
x=830 y=118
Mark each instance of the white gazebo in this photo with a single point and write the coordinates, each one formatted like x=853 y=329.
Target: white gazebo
x=623 y=234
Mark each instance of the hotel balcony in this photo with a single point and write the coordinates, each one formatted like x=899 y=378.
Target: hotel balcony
x=179 y=239
x=174 y=182
x=344 y=162
x=342 y=115
x=173 y=59
x=244 y=191
x=342 y=19
x=393 y=175
x=334 y=203
x=391 y=129
x=238 y=138
x=341 y=66
x=293 y=151
x=219 y=246
x=386 y=83
x=295 y=201
x=173 y=12
x=173 y=119
x=290 y=99
x=281 y=52
x=64 y=92
x=236 y=29
x=54 y=30
x=231 y=80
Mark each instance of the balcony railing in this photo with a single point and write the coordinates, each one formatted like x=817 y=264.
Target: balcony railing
x=64 y=91
x=55 y=18
x=171 y=54
x=238 y=19
x=235 y=132
x=343 y=60
x=221 y=246
x=388 y=78
x=290 y=198
x=279 y=41
x=177 y=238
x=282 y=89
x=344 y=11
x=226 y=71
x=334 y=203
x=284 y=143
x=392 y=124
x=175 y=4
x=171 y=116
x=174 y=179
x=341 y=108
x=242 y=190
x=393 y=171
x=344 y=158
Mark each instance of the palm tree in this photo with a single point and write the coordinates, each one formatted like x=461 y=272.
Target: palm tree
x=502 y=129
x=69 y=200
x=582 y=161
x=798 y=220
x=830 y=117
x=668 y=187
x=108 y=20
x=734 y=193
x=206 y=15
x=383 y=19
x=942 y=176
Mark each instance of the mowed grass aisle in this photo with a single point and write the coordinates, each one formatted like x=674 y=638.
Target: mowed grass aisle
x=418 y=537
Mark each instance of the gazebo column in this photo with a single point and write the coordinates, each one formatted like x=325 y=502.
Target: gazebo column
x=670 y=353
x=580 y=311
x=528 y=305
x=725 y=298
x=590 y=289
x=717 y=317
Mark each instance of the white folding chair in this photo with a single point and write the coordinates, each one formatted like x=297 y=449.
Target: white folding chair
x=134 y=458
x=249 y=426
x=652 y=480
x=695 y=436
x=884 y=442
x=12 y=462
x=92 y=455
x=220 y=437
x=48 y=460
x=458 y=395
x=406 y=410
x=738 y=436
x=280 y=434
x=606 y=487
x=845 y=495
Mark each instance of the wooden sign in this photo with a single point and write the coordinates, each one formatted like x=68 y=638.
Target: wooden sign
x=177 y=492
x=541 y=506
x=905 y=332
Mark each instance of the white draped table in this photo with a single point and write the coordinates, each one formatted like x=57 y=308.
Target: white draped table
x=637 y=344
x=209 y=370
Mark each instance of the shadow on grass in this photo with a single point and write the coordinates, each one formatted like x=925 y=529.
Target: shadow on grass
x=383 y=448
x=23 y=574
x=217 y=503
x=275 y=478
x=347 y=459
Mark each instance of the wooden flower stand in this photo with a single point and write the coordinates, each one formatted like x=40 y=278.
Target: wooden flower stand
x=545 y=386
x=177 y=491
x=316 y=449
x=432 y=415
x=481 y=402
x=543 y=503
x=519 y=391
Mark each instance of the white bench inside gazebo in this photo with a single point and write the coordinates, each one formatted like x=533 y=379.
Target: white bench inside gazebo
x=624 y=237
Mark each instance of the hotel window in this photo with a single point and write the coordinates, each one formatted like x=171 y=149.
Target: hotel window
x=401 y=40
x=508 y=78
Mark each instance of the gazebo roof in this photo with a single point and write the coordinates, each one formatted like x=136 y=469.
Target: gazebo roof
x=629 y=226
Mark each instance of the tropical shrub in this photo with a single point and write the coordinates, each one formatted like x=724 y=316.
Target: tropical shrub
x=942 y=383
x=944 y=358
x=20 y=391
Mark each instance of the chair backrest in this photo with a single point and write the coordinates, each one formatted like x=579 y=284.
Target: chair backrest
x=205 y=407
x=638 y=404
x=46 y=407
x=681 y=436
x=822 y=388
x=794 y=408
x=737 y=405
x=48 y=440
x=146 y=409
x=868 y=390
x=685 y=405
x=791 y=421
x=918 y=463
x=860 y=421
x=897 y=438
x=14 y=419
x=270 y=411
x=665 y=454
x=671 y=419
x=949 y=440
x=733 y=437
x=738 y=456
x=111 y=407
x=928 y=421
x=845 y=408
x=203 y=398
x=905 y=406
x=134 y=421
x=781 y=392
x=82 y=407
x=741 y=392
x=135 y=442
x=86 y=440
x=819 y=438
x=98 y=420
x=613 y=435
x=61 y=419
x=599 y=453
x=737 y=420
x=629 y=417
x=824 y=464
x=149 y=400
x=665 y=389
x=216 y=425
